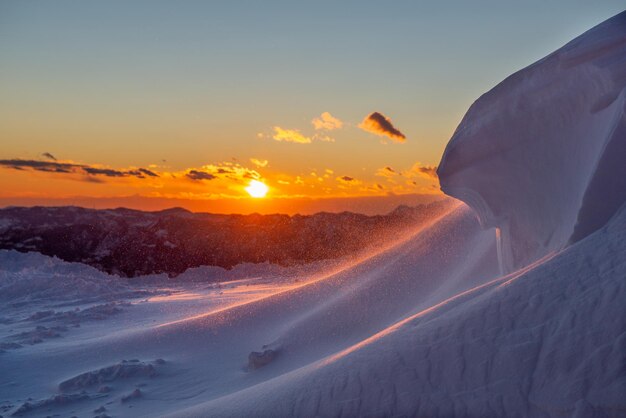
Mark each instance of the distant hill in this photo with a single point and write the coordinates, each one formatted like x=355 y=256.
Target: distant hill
x=131 y=243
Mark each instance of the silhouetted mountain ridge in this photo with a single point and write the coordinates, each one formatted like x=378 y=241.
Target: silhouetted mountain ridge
x=130 y=242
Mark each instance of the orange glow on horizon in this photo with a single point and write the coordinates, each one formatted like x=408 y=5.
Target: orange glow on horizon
x=219 y=187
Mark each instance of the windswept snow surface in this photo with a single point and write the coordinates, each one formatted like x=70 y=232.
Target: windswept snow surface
x=426 y=326
x=546 y=341
x=206 y=342
x=542 y=155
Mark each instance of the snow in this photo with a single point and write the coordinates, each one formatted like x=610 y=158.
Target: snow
x=425 y=326
x=541 y=156
x=545 y=341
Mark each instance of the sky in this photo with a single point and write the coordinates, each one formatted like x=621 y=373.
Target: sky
x=188 y=102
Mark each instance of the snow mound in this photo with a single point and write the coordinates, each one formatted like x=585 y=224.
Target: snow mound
x=541 y=156
x=546 y=341
x=32 y=277
x=125 y=370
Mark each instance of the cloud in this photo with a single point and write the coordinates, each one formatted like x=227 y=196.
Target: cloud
x=327 y=122
x=347 y=181
x=148 y=172
x=387 y=172
x=379 y=124
x=49 y=156
x=71 y=168
x=200 y=175
x=290 y=135
x=227 y=169
x=259 y=163
x=428 y=171
x=323 y=138
x=46 y=166
x=108 y=172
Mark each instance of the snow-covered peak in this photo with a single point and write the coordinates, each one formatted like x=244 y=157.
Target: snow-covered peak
x=541 y=156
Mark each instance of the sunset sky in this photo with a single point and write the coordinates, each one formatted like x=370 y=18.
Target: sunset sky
x=191 y=101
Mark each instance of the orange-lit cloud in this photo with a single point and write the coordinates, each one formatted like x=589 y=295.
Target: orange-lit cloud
x=348 y=181
x=259 y=163
x=387 y=172
x=227 y=170
x=290 y=135
x=323 y=138
x=327 y=122
x=200 y=175
x=428 y=171
x=217 y=180
x=379 y=124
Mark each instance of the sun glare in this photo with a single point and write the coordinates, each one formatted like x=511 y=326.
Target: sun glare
x=257 y=189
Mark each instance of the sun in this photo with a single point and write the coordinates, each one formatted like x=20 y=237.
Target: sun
x=257 y=189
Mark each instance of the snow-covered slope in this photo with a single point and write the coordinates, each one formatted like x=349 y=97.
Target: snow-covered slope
x=208 y=351
x=541 y=156
x=546 y=341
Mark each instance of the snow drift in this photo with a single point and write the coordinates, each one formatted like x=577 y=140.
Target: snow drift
x=541 y=156
x=547 y=341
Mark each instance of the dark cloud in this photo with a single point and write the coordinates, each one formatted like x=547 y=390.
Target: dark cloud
x=106 y=172
x=200 y=175
x=379 y=124
x=427 y=170
x=49 y=156
x=148 y=172
x=141 y=173
x=347 y=178
x=71 y=168
x=47 y=166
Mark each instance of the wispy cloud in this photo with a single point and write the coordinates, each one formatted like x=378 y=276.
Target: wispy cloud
x=259 y=163
x=227 y=170
x=148 y=172
x=327 y=122
x=379 y=124
x=323 y=137
x=322 y=124
x=428 y=171
x=348 y=181
x=290 y=135
x=387 y=172
x=108 y=172
x=72 y=168
x=200 y=175
x=49 y=156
